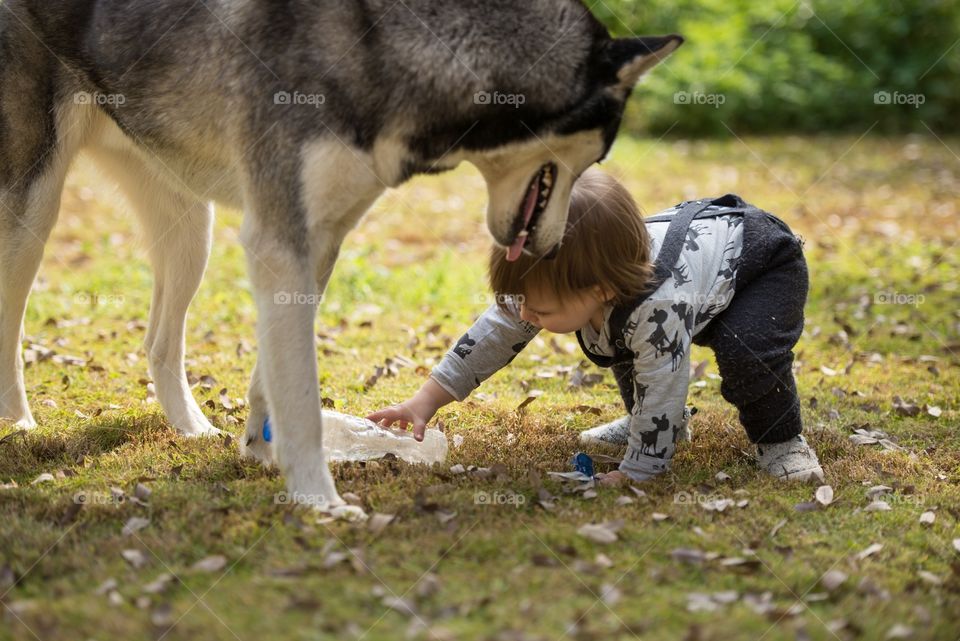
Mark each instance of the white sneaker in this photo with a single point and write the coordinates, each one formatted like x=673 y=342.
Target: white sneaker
x=792 y=460
x=616 y=432
x=612 y=433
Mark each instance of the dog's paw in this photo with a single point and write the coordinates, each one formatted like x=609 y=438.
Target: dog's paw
x=350 y=513
x=258 y=450
x=201 y=431
x=25 y=423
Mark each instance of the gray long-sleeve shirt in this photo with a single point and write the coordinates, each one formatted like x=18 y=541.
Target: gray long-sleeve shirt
x=658 y=332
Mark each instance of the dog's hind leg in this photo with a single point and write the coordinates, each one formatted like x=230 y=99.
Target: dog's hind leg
x=31 y=184
x=178 y=230
x=27 y=218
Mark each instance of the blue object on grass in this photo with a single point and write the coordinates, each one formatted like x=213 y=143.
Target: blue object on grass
x=267 y=434
x=583 y=464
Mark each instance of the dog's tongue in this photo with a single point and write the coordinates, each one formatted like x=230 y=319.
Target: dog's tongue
x=514 y=251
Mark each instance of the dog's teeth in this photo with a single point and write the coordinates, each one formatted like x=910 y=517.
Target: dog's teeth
x=523 y=234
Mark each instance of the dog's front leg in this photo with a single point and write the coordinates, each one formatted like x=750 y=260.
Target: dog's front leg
x=253 y=444
x=282 y=275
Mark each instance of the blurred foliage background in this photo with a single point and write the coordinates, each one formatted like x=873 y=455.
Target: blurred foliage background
x=809 y=66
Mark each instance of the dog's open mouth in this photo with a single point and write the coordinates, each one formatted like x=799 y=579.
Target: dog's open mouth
x=533 y=205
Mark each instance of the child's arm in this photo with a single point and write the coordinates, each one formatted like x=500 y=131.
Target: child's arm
x=661 y=365
x=490 y=344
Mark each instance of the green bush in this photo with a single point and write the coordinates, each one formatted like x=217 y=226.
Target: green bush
x=783 y=65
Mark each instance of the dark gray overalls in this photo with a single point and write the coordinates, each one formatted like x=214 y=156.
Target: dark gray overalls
x=753 y=339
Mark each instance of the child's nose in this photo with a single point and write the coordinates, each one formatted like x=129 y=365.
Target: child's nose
x=527 y=315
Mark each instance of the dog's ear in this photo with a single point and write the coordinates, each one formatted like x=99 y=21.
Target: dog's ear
x=631 y=58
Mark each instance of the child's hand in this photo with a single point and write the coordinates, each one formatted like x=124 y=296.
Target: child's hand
x=614 y=478
x=405 y=414
x=417 y=411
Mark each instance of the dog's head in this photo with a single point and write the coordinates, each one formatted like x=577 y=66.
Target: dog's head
x=530 y=179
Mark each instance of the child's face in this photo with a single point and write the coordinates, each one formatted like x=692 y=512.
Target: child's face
x=545 y=310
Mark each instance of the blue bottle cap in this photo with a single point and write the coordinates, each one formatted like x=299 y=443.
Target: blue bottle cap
x=267 y=434
x=583 y=464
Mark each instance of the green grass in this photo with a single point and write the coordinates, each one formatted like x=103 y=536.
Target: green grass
x=880 y=216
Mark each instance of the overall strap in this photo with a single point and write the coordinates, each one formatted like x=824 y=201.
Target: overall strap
x=667 y=258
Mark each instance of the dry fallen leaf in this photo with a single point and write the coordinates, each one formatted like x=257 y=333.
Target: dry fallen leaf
x=46 y=477
x=905 y=408
x=869 y=551
x=927 y=518
x=532 y=395
x=877 y=490
x=688 y=555
x=160 y=584
x=134 y=558
x=610 y=594
x=824 y=495
x=134 y=524
x=142 y=492
x=956 y=545
x=832 y=579
x=776 y=528
x=878 y=506
x=900 y=631
x=930 y=577
x=601 y=532
x=379 y=521
x=213 y=563
x=403 y=606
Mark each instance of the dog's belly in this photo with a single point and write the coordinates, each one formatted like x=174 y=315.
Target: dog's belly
x=208 y=178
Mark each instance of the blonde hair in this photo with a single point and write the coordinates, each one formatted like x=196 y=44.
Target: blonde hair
x=606 y=243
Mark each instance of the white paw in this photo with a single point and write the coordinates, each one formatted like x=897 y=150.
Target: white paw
x=199 y=430
x=23 y=423
x=258 y=450
x=26 y=423
x=350 y=513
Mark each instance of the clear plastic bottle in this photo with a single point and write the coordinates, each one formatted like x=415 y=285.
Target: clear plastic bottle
x=351 y=438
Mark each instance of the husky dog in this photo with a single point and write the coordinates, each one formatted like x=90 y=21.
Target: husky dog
x=301 y=113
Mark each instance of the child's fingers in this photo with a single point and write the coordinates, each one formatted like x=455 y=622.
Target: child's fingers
x=418 y=429
x=390 y=415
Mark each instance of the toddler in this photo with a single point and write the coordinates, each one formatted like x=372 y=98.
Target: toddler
x=719 y=273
